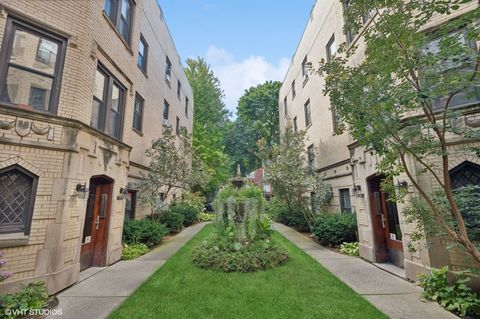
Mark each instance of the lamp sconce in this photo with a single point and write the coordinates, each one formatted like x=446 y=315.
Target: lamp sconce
x=402 y=184
x=81 y=190
x=123 y=193
x=357 y=191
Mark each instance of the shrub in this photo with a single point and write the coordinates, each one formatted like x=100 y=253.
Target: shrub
x=32 y=296
x=295 y=219
x=145 y=231
x=234 y=257
x=4 y=275
x=457 y=297
x=334 y=229
x=171 y=219
x=189 y=212
x=133 y=251
x=350 y=249
x=205 y=217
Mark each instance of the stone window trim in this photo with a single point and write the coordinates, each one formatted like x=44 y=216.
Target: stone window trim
x=14 y=234
x=11 y=26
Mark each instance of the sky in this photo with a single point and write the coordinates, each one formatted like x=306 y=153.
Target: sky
x=246 y=42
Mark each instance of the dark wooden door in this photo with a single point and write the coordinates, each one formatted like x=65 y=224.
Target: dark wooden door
x=95 y=233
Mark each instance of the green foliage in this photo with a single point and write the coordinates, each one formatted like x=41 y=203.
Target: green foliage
x=32 y=296
x=209 y=123
x=293 y=218
x=146 y=231
x=169 y=169
x=206 y=217
x=189 y=212
x=134 y=251
x=456 y=297
x=292 y=180
x=172 y=220
x=228 y=257
x=350 y=249
x=257 y=119
x=402 y=100
x=334 y=229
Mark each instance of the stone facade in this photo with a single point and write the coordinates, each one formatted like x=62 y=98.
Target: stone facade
x=61 y=149
x=346 y=165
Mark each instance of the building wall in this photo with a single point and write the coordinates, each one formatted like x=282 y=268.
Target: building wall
x=63 y=150
x=341 y=161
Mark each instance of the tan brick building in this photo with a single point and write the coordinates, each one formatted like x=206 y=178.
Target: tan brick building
x=350 y=169
x=85 y=87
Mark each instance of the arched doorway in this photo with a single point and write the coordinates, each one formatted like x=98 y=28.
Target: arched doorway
x=97 y=219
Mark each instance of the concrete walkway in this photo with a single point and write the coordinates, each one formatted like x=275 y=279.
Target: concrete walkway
x=101 y=290
x=395 y=297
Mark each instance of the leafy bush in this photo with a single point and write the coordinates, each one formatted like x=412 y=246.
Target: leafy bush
x=133 y=251
x=350 y=249
x=334 y=229
x=295 y=219
x=205 y=217
x=4 y=275
x=32 y=296
x=189 y=212
x=457 y=297
x=171 y=219
x=234 y=257
x=145 y=231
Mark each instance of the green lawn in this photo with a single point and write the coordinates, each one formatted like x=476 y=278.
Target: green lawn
x=302 y=288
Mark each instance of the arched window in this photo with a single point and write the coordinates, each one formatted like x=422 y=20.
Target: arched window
x=465 y=174
x=17 y=198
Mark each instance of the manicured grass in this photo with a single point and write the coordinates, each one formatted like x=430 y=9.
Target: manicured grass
x=301 y=288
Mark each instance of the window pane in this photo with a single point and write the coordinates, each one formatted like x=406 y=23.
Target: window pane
x=115 y=98
x=111 y=8
x=165 y=111
x=97 y=118
x=15 y=188
x=38 y=97
x=19 y=84
x=114 y=125
x=99 y=85
x=125 y=19
x=34 y=52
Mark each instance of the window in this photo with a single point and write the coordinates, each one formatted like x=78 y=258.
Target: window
x=179 y=89
x=120 y=14
x=308 y=114
x=107 y=105
x=186 y=106
x=177 y=126
x=465 y=174
x=350 y=33
x=142 y=54
x=31 y=80
x=311 y=157
x=130 y=204
x=285 y=106
x=453 y=64
x=293 y=90
x=305 y=68
x=295 y=125
x=345 y=204
x=166 y=108
x=168 y=70
x=331 y=48
x=138 y=113
x=18 y=189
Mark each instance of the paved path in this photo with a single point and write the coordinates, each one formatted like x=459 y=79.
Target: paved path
x=101 y=290
x=397 y=298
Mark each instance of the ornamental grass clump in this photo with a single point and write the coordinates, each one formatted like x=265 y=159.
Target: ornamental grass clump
x=242 y=238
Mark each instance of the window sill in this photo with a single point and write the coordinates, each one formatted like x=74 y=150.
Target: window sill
x=137 y=131
x=127 y=46
x=13 y=240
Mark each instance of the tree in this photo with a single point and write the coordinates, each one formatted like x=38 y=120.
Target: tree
x=400 y=101
x=170 y=168
x=291 y=178
x=209 y=122
x=257 y=118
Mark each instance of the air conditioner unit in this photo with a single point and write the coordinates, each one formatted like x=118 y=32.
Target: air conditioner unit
x=165 y=122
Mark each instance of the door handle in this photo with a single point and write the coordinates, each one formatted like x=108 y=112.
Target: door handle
x=97 y=222
x=383 y=221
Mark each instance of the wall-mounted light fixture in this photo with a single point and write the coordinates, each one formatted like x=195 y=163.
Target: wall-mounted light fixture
x=402 y=184
x=81 y=190
x=123 y=193
x=357 y=191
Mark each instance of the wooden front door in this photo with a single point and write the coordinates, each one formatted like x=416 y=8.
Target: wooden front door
x=97 y=217
x=386 y=225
